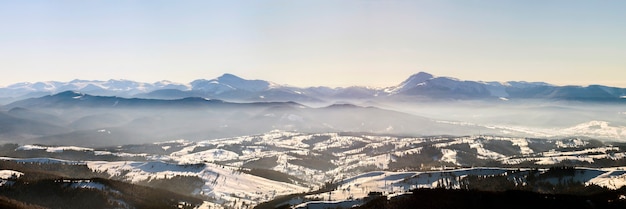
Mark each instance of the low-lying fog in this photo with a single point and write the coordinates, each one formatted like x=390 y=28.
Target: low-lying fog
x=115 y=125
x=540 y=114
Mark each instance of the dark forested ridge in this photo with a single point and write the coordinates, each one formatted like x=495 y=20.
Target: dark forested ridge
x=93 y=193
x=460 y=199
x=499 y=191
x=8 y=203
x=45 y=185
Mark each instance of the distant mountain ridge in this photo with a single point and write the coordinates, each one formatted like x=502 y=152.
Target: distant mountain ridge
x=72 y=117
x=233 y=88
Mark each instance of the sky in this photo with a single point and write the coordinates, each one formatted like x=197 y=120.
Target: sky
x=314 y=43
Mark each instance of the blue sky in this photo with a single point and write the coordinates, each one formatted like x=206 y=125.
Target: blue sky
x=310 y=43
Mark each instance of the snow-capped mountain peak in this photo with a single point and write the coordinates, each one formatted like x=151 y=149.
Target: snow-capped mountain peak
x=412 y=81
x=417 y=79
x=229 y=77
x=230 y=82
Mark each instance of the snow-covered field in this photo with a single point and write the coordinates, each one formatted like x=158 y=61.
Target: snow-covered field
x=6 y=174
x=594 y=128
x=223 y=183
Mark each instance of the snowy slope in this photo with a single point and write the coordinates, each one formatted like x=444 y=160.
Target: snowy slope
x=225 y=184
x=6 y=174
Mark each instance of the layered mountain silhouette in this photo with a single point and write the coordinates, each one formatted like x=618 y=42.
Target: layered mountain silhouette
x=422 y=86
x=72 y=117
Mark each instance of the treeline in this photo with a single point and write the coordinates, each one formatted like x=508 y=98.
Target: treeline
x=184 y=185
x=8 y=203
x=38 y=170
x=430 y=157
x=427 y=158
x=10 y=150
x=556 y=187
x=514 y=199
x=115 y=194
x=556 y=180
x=271 y=175
x=49 y=185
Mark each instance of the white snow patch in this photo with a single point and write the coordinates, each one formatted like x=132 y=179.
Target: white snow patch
x=6 y=174
x=211 y=155
x=43 y=161
x=31 y=147
x=73 y=148
x=119 y=154
x=103 y=131
x=613 y=178
x=573 y=143
x=53 y=149
x=523 y=145
x=177 y=141
x=449 y=156
x=293 y=117
x=87 y=184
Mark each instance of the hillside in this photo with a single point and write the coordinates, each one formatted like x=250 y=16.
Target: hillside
x=244 y=171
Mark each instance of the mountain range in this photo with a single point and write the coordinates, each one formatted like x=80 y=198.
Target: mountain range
x=420 y=86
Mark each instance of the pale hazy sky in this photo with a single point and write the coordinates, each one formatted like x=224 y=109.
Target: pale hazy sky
x=317 y=42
